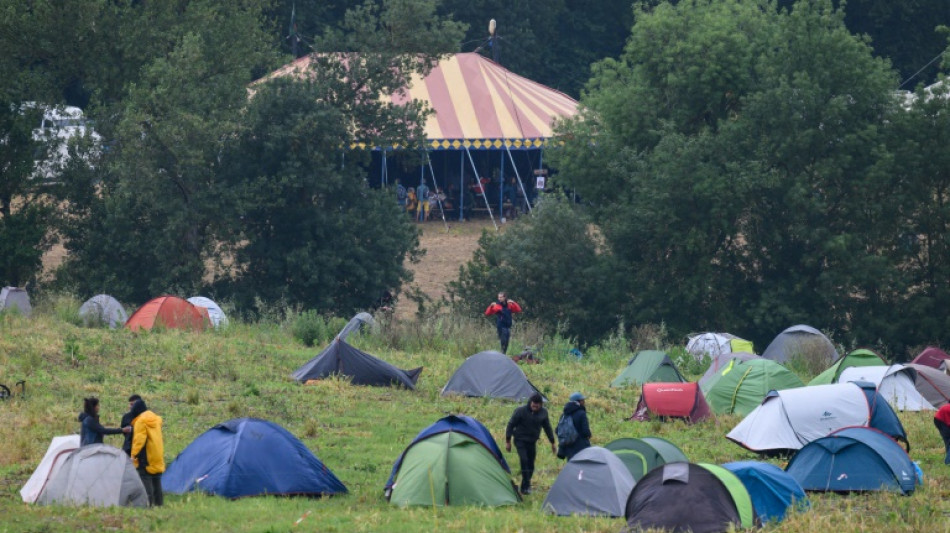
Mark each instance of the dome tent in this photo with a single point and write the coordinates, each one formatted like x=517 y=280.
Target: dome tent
x=932 y=384
x=720 y=363
x=169 y=312
x=800 y=341
x=646 y=453
x=490 y=374
x=97 y=475
x=594 y=482
x=15 y=299
x=933 y=357
x=772 y=490
x=853 y=460
x=672 y=400
x=103 y=309
x=741 y=387
x=859 y=357
x=59 y=449
x=452 y=462
x=700 y=498
x=895 y=383
x=215 y=313
x=646 y=367
x=249 y=457
x=713 y=344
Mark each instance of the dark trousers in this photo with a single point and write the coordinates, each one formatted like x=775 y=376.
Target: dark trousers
x=153 y=487
x=945 y=435
x=504 y=335
x=527 y=452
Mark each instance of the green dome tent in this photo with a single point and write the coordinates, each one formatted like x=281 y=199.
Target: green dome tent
x=451 y=468
x=859 y=357
x=646 y=453
x=742 y=385
x=648 y=366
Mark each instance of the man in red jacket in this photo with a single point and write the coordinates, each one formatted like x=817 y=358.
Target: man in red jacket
x=942 y=421
x=503 y=308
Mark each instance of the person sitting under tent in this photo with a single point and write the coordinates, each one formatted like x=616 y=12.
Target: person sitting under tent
x=411 y=201
x=401 y=195
x=942 y=421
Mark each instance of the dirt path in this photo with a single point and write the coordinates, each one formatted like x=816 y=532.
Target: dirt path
x=446 y=251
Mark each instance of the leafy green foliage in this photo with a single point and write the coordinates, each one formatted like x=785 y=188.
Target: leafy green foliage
x=550 y=263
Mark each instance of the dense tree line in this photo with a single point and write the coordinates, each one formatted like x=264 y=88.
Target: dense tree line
x=751 y=167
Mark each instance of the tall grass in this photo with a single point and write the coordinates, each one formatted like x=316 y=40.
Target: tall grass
x=196 y=380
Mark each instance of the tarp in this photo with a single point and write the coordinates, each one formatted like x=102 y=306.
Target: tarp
x=772 y=490
x=97 y=475
x=646 y=453
x=103 y=309
x=339 y=358
x=742 y=386
x=169 y=312
x=932 y=384
x=460 y=424
x=672 y=400
x=249 y=457
x=801 y=341
x=490 y=374
x=895 y=384
x=215 y=313
x=853 y=459
x=859 y=357
x=646 y=367
x=59 y=449
x=787 y=420
x=477 y=103
x=15 y=298
x=356 y=324
x=451 y=468
x=933 y=357
x=594 y=482
x=700 y=498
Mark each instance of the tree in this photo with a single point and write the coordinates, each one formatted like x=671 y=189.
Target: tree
x=733 y=156
x=552 y=264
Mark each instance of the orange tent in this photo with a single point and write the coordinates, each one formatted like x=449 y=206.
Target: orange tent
x=170 y=312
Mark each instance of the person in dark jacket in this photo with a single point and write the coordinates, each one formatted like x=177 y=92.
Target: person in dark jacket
x=91 y=431
x=525 y=427
x=575 y=409
x=503 y=308
x=127 y=423
x=942 y=422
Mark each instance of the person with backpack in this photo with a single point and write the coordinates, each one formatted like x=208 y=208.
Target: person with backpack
x=525 y=426
x=503 y=307
x=573 y=428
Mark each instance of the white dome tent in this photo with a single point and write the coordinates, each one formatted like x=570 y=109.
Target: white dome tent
x=217 y=316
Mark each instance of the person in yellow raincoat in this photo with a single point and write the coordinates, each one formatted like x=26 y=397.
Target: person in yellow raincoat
x=148 y=450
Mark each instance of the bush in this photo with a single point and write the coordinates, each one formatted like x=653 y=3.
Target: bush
x=310 y=328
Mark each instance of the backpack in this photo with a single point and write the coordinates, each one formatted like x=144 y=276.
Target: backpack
x=566 y=432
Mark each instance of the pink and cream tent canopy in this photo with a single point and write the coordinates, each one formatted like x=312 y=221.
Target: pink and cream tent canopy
x=479 y=104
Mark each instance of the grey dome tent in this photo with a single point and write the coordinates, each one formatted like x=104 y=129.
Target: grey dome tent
x=595 y=482
x=98 y=475
x=15 y=298
x=215 y=313
x=895 y=383
x=103 y=309
x=801 y=341
x=59 y=449
x=490 y=374
x=362 y=368
x=646 y=453
x=932 y=384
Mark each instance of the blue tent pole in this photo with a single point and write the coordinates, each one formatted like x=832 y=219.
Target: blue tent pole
x=480 y=184
x=518 y=174
x=461 y=185
x=501 y=188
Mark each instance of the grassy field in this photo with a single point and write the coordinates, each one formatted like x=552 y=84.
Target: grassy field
x=197 y=380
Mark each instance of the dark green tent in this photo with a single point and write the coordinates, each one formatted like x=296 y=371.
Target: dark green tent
x=451 y=468
x=646 y=453
x=648 y=366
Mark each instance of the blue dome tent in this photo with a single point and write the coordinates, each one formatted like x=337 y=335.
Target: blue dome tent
x=772 y=490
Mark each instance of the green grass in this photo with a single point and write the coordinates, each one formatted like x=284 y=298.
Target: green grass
x=197 y=380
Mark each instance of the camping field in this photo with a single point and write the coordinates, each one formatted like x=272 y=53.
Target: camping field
x=196 y=380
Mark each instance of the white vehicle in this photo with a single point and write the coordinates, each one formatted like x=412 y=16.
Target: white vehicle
x=59 y=125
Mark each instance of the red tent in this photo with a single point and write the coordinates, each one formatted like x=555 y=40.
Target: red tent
x=672 y=400
x=170 y=312
x=932 y=357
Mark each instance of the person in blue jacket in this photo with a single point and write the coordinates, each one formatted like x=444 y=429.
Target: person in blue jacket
x=91 y=431
x=575 y=409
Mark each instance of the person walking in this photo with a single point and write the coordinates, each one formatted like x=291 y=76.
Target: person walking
x=503 y=308
x=942 y=422
x=90 y=430
x=127 y=423
x=148 y=450
x=525 y=427
x=577 y=412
